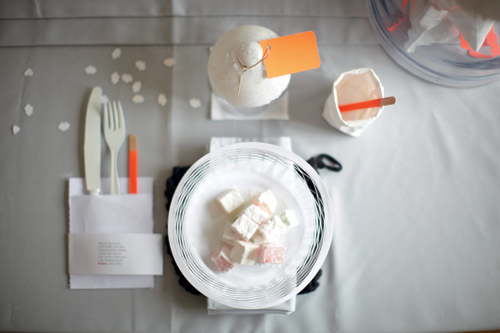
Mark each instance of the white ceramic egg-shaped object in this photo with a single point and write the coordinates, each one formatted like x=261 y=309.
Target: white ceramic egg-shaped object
x=235 y=50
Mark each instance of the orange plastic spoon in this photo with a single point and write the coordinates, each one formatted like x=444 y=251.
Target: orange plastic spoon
x=368 y=104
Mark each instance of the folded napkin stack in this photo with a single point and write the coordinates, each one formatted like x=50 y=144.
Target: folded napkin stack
x=222 y=110
x=103 y=214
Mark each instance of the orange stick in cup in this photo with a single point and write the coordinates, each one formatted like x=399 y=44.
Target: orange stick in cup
x=132 y=163
x=374 y=103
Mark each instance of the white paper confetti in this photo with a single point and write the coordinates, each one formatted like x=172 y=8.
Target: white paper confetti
x=115 y=78
x=127 y=78
x=28 y=72
x=104 y=99
x=169 y=62
x=116 y=53
x=63 y=126
x=15 y=129
x=28 y=109
x=195 y=103
x=90 y=70
x=141 y=65
x=162 y=99
x=138 y=99
x=136 y=87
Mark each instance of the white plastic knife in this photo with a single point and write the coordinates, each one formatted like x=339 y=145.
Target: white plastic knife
x=92 y=143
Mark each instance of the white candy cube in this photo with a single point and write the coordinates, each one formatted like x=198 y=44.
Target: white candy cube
x=245 y=253
x=258 y=238
x=256 y=214
x=228 y=235
x=288 y=217
x=244 y=227
x=271 y=231
x=230 y=200
x=266 y=199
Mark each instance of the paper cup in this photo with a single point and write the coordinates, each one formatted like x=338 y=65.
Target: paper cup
x=357 y=85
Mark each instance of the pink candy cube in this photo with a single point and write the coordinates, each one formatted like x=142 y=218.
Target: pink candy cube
x=222 y=259
x=272 y=254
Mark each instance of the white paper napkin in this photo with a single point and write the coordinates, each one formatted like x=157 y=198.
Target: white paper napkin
x=213 y=307
x=123 y=213
x=440 y=21
x=473 y=27
x=429 y=26
x=219 y=142
x=222 y=110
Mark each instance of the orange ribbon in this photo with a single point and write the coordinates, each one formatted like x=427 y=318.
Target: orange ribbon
x=491 y=41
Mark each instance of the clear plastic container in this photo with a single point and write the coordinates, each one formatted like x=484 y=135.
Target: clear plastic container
x=445 y=62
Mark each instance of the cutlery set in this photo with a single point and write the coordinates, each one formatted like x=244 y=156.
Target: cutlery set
x=113 y=126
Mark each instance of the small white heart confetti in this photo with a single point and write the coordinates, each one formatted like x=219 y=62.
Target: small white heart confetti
x=115 y=78
x=28 y=72
x=127 y=78
x=169 y=62
x=195 y=103
x=15 y=129
x=116 y=53
x=104 y=99
x=138 y=99
x=136 y=87
x=28 y=109
x=63 y=126
x=90 y=70
x=141 y=65
x=162 y=99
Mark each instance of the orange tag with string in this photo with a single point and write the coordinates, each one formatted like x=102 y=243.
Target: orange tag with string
x=290 y=54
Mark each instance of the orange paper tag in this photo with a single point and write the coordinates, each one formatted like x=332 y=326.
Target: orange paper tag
x=291 y=54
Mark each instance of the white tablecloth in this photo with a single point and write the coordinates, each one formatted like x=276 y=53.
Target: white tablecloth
x=417 y=232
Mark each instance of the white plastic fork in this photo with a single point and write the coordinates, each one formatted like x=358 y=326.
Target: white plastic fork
x=114 y=132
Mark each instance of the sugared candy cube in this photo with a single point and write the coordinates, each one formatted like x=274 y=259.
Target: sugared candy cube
x=222 y=259
x=244 y=227
x=230 y=200
x=288 y=217
x=256 y=214
x=258 y=238
x=271 y=231
x=228 y=234
x=272 y=254
x=245 y=253
x=266 y=200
